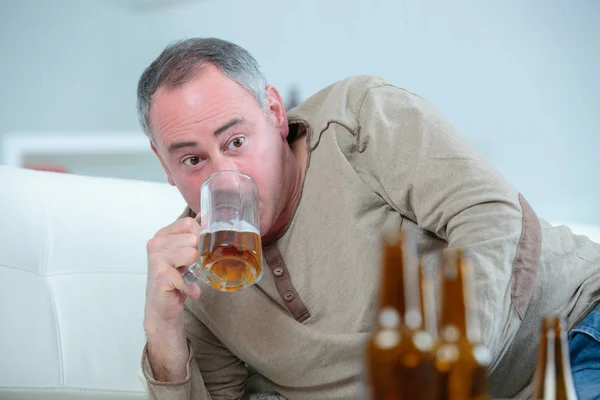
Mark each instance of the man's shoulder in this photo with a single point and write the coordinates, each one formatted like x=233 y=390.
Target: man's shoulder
x=360 y=83
x=343 y=98
x=353 y=88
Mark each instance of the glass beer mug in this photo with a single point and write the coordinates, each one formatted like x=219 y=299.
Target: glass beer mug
x=230 y=249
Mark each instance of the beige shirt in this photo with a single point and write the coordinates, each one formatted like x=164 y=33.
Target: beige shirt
x=378 y=155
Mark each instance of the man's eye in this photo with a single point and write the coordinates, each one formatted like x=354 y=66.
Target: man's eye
x=194 y=160
x=236 y=143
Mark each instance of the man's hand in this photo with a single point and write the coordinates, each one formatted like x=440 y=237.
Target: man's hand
x=170 y=252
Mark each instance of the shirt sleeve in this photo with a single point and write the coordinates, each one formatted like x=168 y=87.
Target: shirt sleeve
x=409 y=155
x=213 y=372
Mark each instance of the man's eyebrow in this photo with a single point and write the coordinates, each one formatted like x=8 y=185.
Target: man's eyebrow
x=229 y=124
x=180 y=145
x=232 y=122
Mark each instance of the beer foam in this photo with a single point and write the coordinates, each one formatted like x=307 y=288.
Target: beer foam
x=238 y=226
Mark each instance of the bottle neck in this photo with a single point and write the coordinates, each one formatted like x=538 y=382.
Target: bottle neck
x=458 y=319
x=562 y=364
x=428 y=309
x=413 y=317
x=545 y=362
x=400 y=280
x=392 y=280
x=554 y=377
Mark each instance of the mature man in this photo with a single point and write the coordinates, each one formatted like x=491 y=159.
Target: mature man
x=358 y=155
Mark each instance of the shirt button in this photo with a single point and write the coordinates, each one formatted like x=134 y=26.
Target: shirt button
x=278 y=271
x=288 y=296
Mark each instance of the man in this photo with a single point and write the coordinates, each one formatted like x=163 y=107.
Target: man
x=358 y=155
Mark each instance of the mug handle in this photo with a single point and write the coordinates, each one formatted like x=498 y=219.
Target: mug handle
x=190 y=276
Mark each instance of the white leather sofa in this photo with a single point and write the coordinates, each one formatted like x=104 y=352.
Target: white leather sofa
x=72 y=281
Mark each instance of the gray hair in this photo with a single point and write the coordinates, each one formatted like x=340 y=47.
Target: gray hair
x=181 y=61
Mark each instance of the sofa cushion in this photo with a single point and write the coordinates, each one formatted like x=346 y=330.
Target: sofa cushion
x=72 y=278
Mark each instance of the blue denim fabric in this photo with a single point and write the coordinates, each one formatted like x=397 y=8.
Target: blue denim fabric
x=584 y=351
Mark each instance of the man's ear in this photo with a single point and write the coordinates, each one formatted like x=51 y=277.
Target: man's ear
x=276 y=110
x=169 y=177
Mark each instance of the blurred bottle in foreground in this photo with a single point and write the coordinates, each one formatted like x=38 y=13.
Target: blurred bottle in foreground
x=461 y=360
x=553 y=377
x=401 y=350
x=383 y=348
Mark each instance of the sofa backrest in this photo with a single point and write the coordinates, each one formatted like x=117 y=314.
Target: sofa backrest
x=72 y=279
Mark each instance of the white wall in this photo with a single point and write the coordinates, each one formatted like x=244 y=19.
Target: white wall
x=519 y=79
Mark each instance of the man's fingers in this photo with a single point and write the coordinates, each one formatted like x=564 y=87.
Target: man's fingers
x=184 y=225
x=168 y=279
x=167 y=266
x=171 y=250
x=178 y=257
x=192 y=290
x=180 y=240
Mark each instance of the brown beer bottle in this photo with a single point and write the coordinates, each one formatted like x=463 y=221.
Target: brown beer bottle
x=553 y=378
x=461 y=359
x=383 y=348
x=419 y=378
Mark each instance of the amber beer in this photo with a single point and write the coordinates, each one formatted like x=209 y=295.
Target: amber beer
x=462 y=360
x=230 y=259
x=553 y=377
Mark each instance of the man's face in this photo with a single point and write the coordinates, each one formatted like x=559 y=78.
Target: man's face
x=211 y=124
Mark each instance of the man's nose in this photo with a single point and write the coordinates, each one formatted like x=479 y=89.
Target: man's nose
x=223 y=164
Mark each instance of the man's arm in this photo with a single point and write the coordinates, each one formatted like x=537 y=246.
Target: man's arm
x=407 y=153
x=211 y=370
